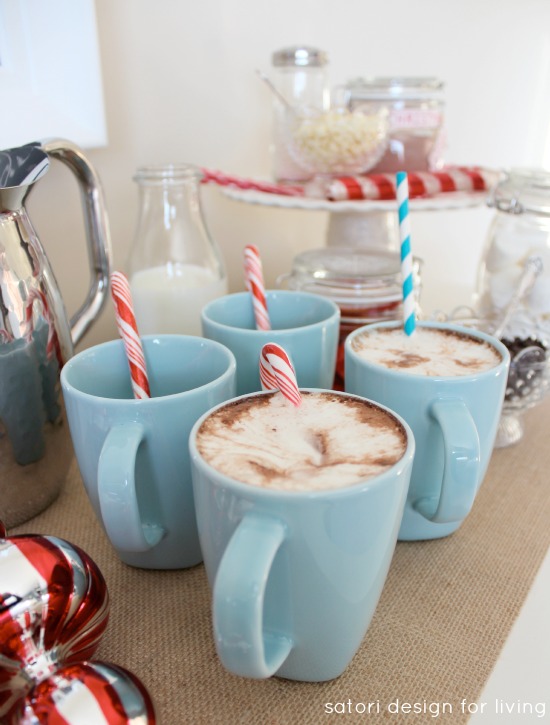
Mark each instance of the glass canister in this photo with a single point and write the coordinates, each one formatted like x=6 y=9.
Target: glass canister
x=300 y=73
x=175 y=267
x=365 y=284
x=520 y=229
x=415 y=107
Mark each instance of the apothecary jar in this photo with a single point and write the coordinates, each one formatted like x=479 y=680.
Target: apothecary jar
x=520 y=229
x=365 y=284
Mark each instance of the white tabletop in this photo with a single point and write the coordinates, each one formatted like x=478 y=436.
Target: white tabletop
x=520 y=680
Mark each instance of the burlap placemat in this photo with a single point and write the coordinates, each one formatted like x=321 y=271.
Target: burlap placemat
x=444 y=615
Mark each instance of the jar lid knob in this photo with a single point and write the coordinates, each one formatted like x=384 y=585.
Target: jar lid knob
x=299 y=55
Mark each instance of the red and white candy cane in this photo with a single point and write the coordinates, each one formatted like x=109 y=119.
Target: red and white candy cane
x=277 y=373
x=255 y=285
x=127 y=329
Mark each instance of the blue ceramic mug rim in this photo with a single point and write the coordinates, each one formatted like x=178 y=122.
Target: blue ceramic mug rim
x=246 y=489
x=219 y=301
x=230 y=370
x=497 y=344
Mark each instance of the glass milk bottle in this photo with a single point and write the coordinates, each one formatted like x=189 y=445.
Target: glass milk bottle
x=175 y=267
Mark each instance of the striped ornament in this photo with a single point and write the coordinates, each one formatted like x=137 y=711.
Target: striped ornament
x=127 y=329
x=54 y=608
x=277 y=373
x=409 y=318
x=89 y=692
x=255 y=285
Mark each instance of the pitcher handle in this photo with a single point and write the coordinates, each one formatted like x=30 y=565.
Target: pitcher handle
x=97 y=231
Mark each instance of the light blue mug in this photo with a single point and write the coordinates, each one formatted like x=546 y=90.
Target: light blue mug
x=454 y=421
x=304 y=324
x=133 y=455
x=296 y=575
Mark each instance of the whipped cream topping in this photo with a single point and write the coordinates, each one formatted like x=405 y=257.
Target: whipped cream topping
x=329 y=441
x=428 y=351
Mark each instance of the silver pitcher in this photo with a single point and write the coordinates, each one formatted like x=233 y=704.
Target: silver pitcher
x=36 y=337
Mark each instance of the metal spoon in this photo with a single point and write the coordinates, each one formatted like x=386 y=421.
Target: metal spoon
x=533 y=267
x=275 y=90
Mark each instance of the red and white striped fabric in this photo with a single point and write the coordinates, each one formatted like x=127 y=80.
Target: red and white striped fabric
x=255 y=285
x=374 y=187
x=128 y=331
x=217 y=177
x=379 y=187
x=277 y=373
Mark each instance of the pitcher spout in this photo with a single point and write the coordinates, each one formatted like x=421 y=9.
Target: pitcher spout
x=19 y=169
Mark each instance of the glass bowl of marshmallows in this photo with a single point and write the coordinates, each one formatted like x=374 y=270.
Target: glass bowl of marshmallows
x=337 y=141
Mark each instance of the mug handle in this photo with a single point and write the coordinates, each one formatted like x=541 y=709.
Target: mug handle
x=238 y=598
x=461 y=464
x=117 y=491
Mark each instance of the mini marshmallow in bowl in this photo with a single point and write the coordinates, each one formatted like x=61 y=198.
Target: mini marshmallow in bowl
x=338 y=141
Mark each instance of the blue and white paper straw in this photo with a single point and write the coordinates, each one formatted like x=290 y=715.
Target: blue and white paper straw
x=402 y=193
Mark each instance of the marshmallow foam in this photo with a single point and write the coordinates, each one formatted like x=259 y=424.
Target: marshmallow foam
x=330 y=441
x=428 y=351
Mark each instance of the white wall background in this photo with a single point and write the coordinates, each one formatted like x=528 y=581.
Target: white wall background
x=179 y=86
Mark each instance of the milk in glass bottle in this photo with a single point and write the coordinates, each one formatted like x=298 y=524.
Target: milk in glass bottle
x=175 y=266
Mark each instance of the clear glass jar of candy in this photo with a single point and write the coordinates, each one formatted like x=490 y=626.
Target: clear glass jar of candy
x=416 y=115
x=365 y=284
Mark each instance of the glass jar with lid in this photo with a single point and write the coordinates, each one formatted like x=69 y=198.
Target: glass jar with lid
x=415 y=107
x=300 y=74
x=365 y=284
x=520 y=229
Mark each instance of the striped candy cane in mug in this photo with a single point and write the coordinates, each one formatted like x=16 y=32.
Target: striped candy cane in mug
x=277 y=373
x=127 y=328
x=255 y=285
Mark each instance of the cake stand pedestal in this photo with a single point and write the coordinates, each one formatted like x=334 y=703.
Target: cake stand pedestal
x=360 y=223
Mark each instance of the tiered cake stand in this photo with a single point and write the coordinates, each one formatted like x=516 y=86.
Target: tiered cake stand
x=357 y=223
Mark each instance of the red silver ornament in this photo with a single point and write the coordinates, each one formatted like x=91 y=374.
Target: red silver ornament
x=86 y=692
x=54 y=608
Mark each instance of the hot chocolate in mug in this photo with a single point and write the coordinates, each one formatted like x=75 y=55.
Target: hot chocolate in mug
x=298 y=511
x=448 y=382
